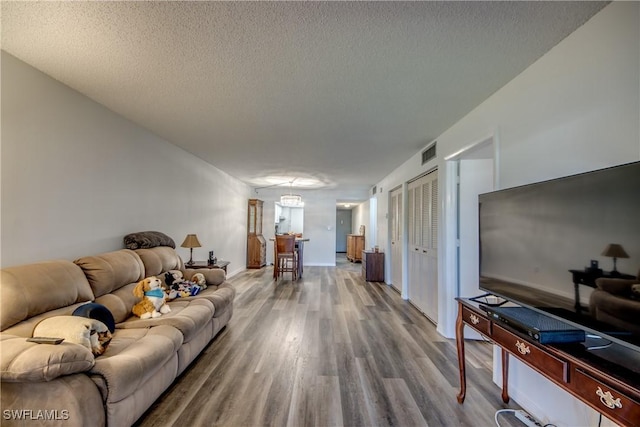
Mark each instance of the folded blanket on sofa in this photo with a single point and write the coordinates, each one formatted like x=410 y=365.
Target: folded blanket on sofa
x=148 y=239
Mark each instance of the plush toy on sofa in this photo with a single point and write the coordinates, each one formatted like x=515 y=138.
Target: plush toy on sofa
x=152 y=297
x=178 y=287
x=199 y=280
x=90 y=333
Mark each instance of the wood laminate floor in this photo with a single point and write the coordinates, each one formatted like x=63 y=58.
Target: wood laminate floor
x=328 y=350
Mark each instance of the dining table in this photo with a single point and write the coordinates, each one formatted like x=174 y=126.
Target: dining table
x=299 y=250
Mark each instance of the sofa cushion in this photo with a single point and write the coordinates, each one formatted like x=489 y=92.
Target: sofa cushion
x=33 y=289
x=133 y=357
x=159 y=260
x=26 y=327
x=23 y=361
x=188 y=316
x=213 y=276
x=112 y=270
x=120 y=302
x=615 y=286
x=220 y=296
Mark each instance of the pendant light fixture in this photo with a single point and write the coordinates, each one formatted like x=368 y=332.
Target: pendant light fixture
x=291 y=200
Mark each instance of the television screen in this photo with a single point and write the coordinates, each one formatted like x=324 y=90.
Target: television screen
x=546 y=245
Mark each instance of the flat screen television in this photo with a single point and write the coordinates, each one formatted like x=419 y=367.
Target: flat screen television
x=542 y=246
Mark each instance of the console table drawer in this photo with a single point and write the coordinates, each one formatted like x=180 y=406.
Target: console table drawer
x=476 y=321
x=606 y=399
x=554 y=368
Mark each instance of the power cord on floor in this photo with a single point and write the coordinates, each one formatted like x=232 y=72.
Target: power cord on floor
x=513 y=411
x=500 y=411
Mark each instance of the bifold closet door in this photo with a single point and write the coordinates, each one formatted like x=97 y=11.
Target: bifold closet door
x=423 y=244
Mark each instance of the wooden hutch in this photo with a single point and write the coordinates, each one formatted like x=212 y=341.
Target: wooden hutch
x=355 y=246
x=256 y=244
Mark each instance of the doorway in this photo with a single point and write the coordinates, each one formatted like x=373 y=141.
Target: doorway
x=343 y=227
x=469 y=172
x=396 y=239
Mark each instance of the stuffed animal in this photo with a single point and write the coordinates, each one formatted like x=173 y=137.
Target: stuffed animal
x=152 y=297
x=178 y=287
x=90 y=333
x=199 y=280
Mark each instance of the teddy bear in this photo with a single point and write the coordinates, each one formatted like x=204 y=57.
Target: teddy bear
x=199 y=280
x=153 y=300
x=178 y=287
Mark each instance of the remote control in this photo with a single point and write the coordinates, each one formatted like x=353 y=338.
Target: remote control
x=45 y=340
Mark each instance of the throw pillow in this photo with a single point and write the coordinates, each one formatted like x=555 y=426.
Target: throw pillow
x=96 y=311
x=89 y=333
x=147 y=240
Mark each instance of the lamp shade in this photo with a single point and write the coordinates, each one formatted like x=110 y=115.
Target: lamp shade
x=614 y=250
x=191 y=241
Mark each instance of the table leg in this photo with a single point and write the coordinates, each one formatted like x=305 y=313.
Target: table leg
x=275 y=260
x=576 y=286
x=505 y=376
x=300 y=246
x=461 y=361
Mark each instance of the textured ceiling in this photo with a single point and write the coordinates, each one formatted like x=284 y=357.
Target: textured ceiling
x=343 y=92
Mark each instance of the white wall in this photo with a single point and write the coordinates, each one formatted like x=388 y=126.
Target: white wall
x=576 y=109
x=76 y=178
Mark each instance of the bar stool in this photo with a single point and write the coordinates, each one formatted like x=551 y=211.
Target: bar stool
x=286 y=256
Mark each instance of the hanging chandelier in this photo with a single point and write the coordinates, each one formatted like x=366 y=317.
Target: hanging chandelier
x=291 y=200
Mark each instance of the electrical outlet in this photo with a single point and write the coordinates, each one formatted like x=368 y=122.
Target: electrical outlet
x=527 y=419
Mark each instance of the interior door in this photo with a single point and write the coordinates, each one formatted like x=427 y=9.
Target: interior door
x=343 y=227
x=396 y=239
x=430 y=245
x=423 y=244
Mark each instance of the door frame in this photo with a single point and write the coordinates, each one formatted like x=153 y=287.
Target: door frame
x=449 y=264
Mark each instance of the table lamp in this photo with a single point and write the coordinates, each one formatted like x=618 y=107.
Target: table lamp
x=615 y=251
x=191 y=241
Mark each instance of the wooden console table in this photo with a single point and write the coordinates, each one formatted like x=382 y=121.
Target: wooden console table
x=609 y=389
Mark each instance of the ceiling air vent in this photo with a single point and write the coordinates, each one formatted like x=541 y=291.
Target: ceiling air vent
x=429 y=153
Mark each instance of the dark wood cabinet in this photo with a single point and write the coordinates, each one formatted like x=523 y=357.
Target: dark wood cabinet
x=612 y=390
x=256 y=243
x=373 y=266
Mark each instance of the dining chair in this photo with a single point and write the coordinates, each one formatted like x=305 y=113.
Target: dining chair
x=286 y=256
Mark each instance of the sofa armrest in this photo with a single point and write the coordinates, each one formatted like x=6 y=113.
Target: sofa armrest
x=616 y=286
x=23 y=361
x=213 y=276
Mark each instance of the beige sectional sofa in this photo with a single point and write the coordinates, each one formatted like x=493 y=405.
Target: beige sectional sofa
x=65 y=384
x=615 y=301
